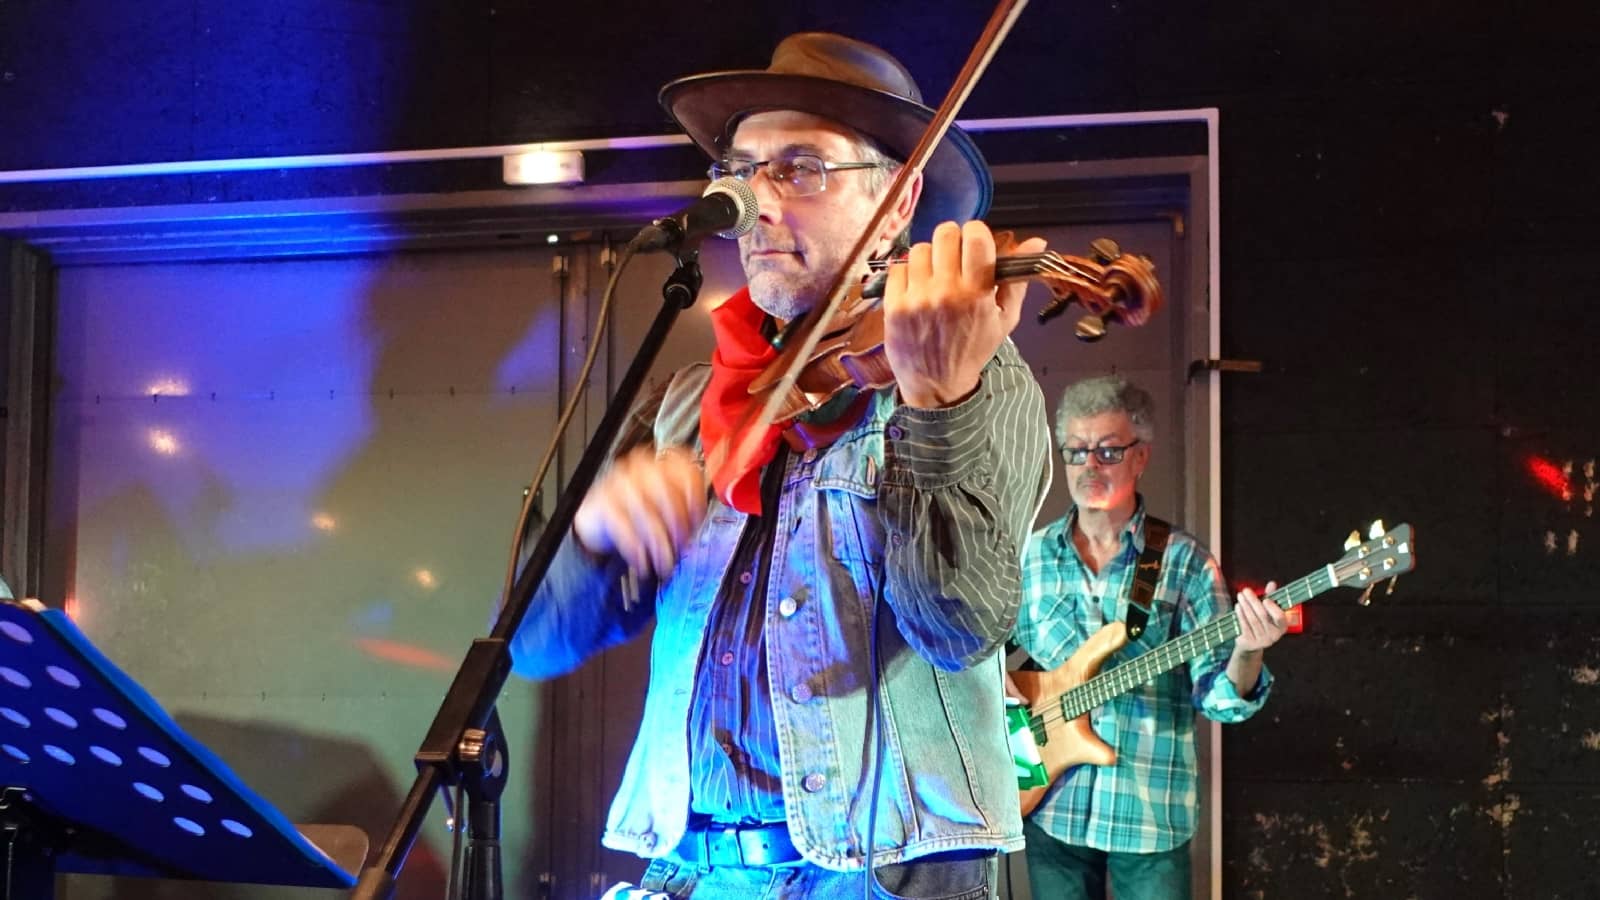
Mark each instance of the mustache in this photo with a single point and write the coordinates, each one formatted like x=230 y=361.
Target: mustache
x=762 y=241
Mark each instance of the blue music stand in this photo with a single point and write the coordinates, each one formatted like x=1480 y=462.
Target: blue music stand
x=96 y=778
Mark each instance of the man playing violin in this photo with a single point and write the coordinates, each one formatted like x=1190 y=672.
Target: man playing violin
x=825 y=697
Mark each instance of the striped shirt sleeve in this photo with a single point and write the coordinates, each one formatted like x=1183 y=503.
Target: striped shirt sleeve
x=960 y=490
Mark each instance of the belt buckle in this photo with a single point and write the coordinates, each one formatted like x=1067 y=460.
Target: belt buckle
x=735 y=835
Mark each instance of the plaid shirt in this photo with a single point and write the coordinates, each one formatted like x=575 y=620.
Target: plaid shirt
x=1147 y=801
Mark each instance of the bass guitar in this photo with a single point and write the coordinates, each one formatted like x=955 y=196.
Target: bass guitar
x=1050 y=731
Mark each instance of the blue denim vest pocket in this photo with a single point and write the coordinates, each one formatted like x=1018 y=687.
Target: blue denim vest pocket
x=846 y=484
x=852 y=464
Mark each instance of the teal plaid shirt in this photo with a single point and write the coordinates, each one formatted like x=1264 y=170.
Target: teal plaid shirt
x=1148 y=800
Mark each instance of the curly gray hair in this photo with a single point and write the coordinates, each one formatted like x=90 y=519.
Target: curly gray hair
x=1103 y=394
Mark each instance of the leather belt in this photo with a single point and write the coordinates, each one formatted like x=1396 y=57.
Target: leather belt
x=718 y=844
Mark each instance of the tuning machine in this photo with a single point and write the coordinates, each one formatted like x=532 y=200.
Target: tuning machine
x=1104 y=250
x=1089 y=329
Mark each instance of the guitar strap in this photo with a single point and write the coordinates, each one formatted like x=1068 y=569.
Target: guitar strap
x=1147 y=575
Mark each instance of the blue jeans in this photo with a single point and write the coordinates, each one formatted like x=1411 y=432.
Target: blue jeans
x=1061 y=871
x=962 y=875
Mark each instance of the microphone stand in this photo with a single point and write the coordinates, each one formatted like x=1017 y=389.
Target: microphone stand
x=465 y=744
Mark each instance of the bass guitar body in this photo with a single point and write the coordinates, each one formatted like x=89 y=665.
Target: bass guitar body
x=1063 y=743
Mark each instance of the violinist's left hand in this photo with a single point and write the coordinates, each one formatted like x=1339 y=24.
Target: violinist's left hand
x=944 y=317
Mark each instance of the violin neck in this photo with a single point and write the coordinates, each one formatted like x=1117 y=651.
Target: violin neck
x=1006 y=268
x=1014 y=268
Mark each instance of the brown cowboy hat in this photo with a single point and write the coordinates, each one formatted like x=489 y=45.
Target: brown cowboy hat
x=850 y=82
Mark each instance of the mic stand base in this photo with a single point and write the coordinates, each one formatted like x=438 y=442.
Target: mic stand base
x=483 y=753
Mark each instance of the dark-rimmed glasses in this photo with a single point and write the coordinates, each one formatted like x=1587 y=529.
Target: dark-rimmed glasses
x=1107 y=455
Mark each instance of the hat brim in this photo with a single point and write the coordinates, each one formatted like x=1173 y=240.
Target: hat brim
x=956 y=183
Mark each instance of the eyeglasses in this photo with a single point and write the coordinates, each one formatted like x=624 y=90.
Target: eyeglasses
x=797 y=175
x=1108 y=456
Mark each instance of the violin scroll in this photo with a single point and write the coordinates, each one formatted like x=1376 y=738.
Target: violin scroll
x=1111 y=285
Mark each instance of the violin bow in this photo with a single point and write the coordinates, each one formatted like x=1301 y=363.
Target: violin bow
x=745 y=440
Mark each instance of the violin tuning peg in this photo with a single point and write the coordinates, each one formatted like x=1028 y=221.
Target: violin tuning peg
x=1366 y=596
x=1056 y=307
x=1105 y=250
x=1090 y=329
x=1376 y=531
x=1390 y=589
x=1353 y=541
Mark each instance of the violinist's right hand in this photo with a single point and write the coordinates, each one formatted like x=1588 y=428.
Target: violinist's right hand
x=645 y=509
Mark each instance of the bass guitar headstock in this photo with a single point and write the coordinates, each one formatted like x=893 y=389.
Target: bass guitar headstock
x=1385 y=554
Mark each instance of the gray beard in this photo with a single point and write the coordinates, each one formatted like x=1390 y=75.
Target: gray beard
x=782 y=306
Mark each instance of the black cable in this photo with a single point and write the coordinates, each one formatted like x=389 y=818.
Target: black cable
x=453 y=886
x=873 y=713
x=520 y=533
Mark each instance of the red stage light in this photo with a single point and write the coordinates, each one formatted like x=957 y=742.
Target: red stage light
x=409 y=655
x=1550 y=476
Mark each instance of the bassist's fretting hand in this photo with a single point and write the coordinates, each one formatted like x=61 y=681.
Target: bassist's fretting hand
x=1261 y=624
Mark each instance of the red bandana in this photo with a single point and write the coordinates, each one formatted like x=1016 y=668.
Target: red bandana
x=742 y=353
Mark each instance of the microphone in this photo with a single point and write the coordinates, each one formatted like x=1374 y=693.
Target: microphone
x=728 y=208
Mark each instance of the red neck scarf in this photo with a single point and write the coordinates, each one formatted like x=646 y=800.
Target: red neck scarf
x=742 y=353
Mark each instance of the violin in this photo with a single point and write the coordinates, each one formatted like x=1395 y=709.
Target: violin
x=1110 y=285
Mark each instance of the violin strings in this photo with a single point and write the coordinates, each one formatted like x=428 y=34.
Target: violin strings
x=1021 y=264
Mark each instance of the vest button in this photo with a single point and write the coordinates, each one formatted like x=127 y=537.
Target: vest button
x=788 y=606
x=814 y=782
x=800 y=693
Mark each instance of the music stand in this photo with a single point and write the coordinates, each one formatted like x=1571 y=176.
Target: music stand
x=96 y=778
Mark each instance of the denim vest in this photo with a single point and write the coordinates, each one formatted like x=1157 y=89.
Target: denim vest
x=945 y=780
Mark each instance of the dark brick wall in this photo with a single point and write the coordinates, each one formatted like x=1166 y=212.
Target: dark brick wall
x=1408 y=213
